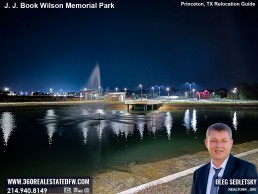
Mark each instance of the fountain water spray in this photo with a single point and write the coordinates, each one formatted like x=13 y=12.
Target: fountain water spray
x=94 y=81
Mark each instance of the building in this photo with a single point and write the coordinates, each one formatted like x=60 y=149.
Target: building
x=115 y=96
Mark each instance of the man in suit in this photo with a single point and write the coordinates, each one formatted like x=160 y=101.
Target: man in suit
x=219 y=143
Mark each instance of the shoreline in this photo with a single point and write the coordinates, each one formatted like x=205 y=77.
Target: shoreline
x=121 y=106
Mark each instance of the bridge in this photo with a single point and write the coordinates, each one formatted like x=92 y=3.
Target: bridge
x=144 y=105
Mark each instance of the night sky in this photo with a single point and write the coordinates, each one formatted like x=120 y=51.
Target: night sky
x=138 y=42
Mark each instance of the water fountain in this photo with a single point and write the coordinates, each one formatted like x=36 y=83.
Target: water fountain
x=94 y=84
x=94 y=81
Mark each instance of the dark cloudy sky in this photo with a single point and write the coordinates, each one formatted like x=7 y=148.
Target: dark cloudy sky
x=149 y=42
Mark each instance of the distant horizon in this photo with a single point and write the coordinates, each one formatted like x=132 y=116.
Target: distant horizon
x=197 y=87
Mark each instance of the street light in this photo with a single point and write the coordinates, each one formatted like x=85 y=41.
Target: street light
x=141 y=90
x=190 y=85
x=125 y=91
x=51 y=90
x=168 y=91
x=185 y=95
x=235 y=92
x=6 y=89
x=159 y=91
x=193 y=92
x=152 y=92
x=116 y=89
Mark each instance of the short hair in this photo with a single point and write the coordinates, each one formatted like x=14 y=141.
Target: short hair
x=219 y=127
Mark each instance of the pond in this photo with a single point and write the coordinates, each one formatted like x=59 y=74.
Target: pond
x=79 y=141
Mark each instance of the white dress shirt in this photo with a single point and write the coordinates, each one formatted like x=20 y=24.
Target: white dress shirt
x=212 y=173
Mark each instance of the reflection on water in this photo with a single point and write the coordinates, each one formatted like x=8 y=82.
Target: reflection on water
x=187 y=120
x=122 y=128
x=51 y=124
x=168 y=123
x=85 y=112
x=120 y=122
x=140 y=124
x=154 y=122
x=194 y=121
x=7 y=122
x=84 y=128
x=235 y=123
x=100 y=127
x=190 y=122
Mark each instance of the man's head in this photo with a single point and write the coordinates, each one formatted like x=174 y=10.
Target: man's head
x=219 y=142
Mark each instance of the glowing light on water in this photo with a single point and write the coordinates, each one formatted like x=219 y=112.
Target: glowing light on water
x=51 y=127
x=100 y=128
x=154 y=122
x=84 y=128
x=168 y=124
x=116 y=128
x=100 y=111
x=235 y=123
x=140 y=125
x=122 y=128
x=7 y=122
x=187 y=120
x=194 y=121
x=85 y=112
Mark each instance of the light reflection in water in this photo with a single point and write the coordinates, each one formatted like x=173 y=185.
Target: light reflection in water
x=168 y=123
x=100 y=127
x=120 y=128
x=51 y=126
x=7 y=124
x=187 y=120
x=84 y=128
x=85 y=112
x=194 y=121
x=140 y=125
x=235 y=123
x=154 y=122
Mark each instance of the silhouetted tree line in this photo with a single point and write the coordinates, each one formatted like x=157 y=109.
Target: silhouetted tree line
x=247 y=91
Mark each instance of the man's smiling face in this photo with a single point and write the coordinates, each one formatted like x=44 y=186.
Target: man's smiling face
x=219 y=145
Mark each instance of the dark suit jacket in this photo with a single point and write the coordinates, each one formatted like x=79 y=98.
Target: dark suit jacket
x=235 y=168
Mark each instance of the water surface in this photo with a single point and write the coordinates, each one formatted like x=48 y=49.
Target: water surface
x=78 y=141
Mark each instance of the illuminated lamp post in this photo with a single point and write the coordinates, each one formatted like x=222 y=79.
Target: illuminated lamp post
x=190 y=85
x=152 y=92
x=168 y=92
x=141 y=90
x=159 y=91
x=125 y=91
x=193 y=92
x=116 y=89
x=235 y=93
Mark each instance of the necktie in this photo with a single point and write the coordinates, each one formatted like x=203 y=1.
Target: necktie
x=214 y=188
